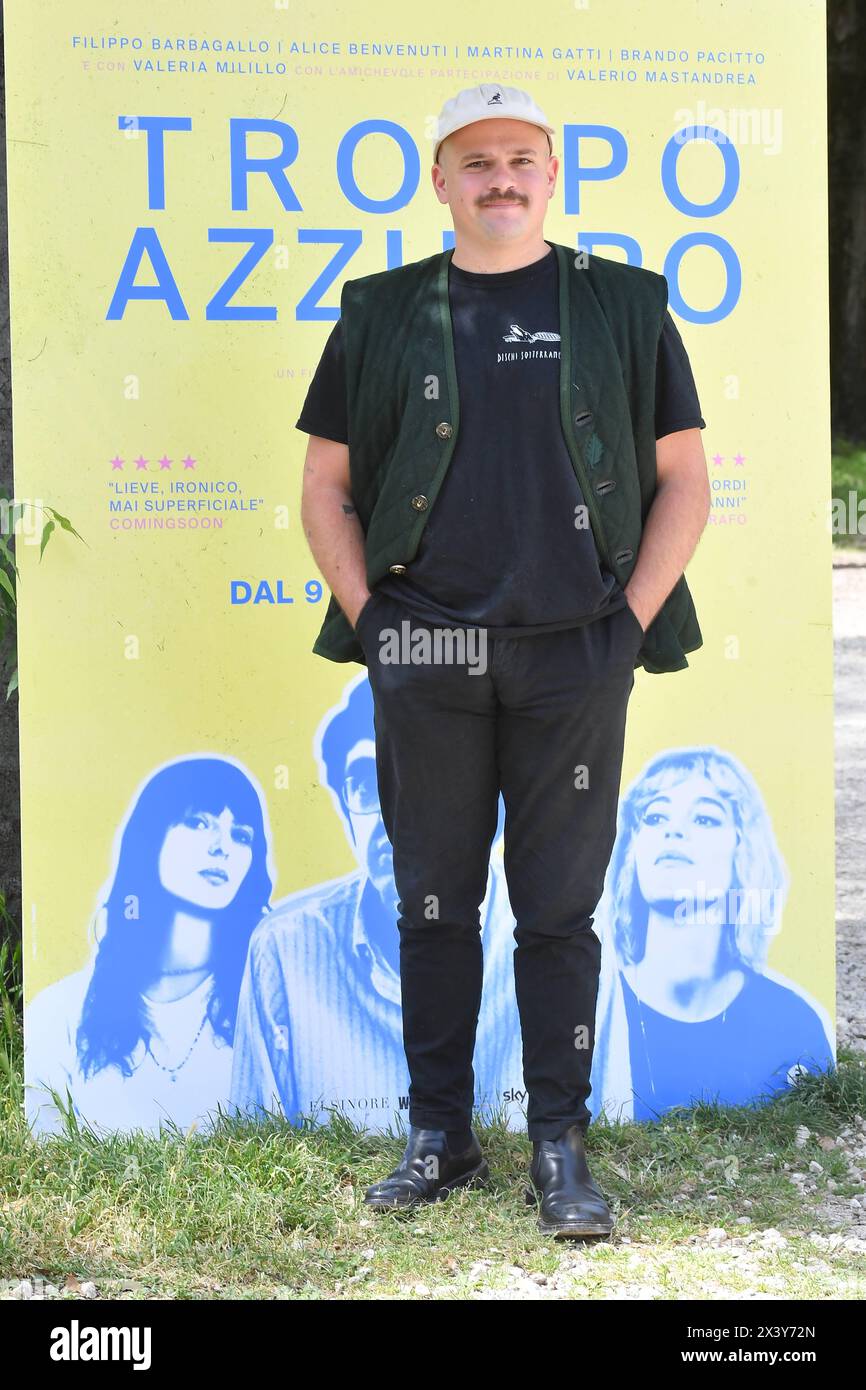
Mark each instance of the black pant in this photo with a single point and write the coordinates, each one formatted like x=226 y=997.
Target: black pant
x=545 y=723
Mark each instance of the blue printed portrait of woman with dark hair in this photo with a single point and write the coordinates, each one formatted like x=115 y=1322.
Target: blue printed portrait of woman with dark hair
x=143 y=1034
x=688 y=1007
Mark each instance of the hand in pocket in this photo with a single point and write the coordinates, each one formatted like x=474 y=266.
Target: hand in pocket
x=636 y=620
x=362 y=616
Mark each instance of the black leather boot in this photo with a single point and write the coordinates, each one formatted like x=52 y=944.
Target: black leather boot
x=572 y=1202
x=428 y=1171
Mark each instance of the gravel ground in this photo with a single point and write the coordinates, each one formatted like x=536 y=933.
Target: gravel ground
x=849 y=632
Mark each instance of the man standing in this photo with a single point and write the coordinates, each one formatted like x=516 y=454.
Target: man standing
x=505 y=455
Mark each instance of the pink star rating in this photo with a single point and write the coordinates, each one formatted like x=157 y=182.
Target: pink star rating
x=718 y=460
x=142 y=463
x=739 y=460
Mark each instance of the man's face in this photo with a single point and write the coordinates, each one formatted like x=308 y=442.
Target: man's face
x=361 y=798
x=497 y=177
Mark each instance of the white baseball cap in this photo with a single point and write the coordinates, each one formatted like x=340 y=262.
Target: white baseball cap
x=489 y=102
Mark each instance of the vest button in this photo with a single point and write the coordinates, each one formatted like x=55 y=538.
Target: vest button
x=444 y=430
x=607 y=486
x=582 y=419
x=420 y=503
x=623 y=556
x=396 y=569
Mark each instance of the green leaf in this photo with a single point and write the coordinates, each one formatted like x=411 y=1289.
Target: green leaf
x=65 y=523
x=13 y=684
x=6 y=583
x=46 y=532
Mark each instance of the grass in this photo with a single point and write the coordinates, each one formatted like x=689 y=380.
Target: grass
x=849 y=475
x=268 y=1211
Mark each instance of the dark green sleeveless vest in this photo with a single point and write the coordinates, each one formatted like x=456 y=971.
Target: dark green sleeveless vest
x=404 y=419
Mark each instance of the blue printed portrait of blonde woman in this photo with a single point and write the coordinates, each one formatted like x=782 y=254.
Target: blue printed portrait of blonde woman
x=141 y=1037
x=688 y=1008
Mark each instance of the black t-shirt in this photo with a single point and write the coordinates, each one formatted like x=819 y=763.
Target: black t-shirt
x=507 y=545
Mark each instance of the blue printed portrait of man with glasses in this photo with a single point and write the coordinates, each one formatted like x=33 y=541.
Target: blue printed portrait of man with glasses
x=319 y=1025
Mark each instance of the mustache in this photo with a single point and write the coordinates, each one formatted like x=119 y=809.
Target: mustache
x=485 y=202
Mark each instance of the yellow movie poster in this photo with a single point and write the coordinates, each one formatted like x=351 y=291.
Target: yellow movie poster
x=210 y=913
